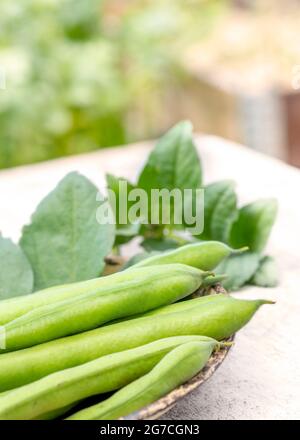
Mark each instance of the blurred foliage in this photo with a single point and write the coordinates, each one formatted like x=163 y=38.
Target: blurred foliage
x=76 y=68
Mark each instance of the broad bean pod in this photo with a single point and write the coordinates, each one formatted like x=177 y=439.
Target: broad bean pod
x=57 y=391
x=13 y=308
x=180 y=306
x=205 y=255
x=202 y=255
x=175 y=368
x=218 y=318
x=158 y=286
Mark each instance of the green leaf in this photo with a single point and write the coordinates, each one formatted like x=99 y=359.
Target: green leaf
x=124 y=232
x=173 y=164
x=16 y=276
x=220 y=210
x=155 y=244
x=239 y=269
x=267 y=273
x=254 y=224
x=65 y=242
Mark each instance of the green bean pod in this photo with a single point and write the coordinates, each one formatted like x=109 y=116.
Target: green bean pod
x=13 y=308
x=178 y=366
x=180 y=306
x=202 y=255
x=205 y=255
x=217 y=318
x=159 y=286
x=59 y=390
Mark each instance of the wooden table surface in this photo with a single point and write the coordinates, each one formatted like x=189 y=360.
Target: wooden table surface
x=260 y=379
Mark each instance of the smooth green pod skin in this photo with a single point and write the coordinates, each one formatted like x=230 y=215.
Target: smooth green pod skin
x=204 y=255
x=186 y=305
x=141 y=276
x=180 y=306
x=159 y=286
x=178 y=366
x=218 y=319
x=13 y=308
x=58 y=390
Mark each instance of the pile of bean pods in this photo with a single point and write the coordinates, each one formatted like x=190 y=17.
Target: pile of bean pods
x=136 y=334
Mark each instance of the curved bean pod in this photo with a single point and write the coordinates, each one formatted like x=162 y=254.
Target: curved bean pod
x=49 y=394
x=13 y=308
x=218 y=319
x=178 y=366
x=180 y=306
x=159 y=286
x=205 y=255
x=202 y=255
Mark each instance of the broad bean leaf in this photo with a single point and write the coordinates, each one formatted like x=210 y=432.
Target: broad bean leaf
x=254 y=224
x=16 y=276
x=220 y=210
x=65 y=242
x=239 y=269
x=267 y=273
x=173 y=164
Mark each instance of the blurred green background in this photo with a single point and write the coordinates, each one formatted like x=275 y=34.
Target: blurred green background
x=84 y=74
